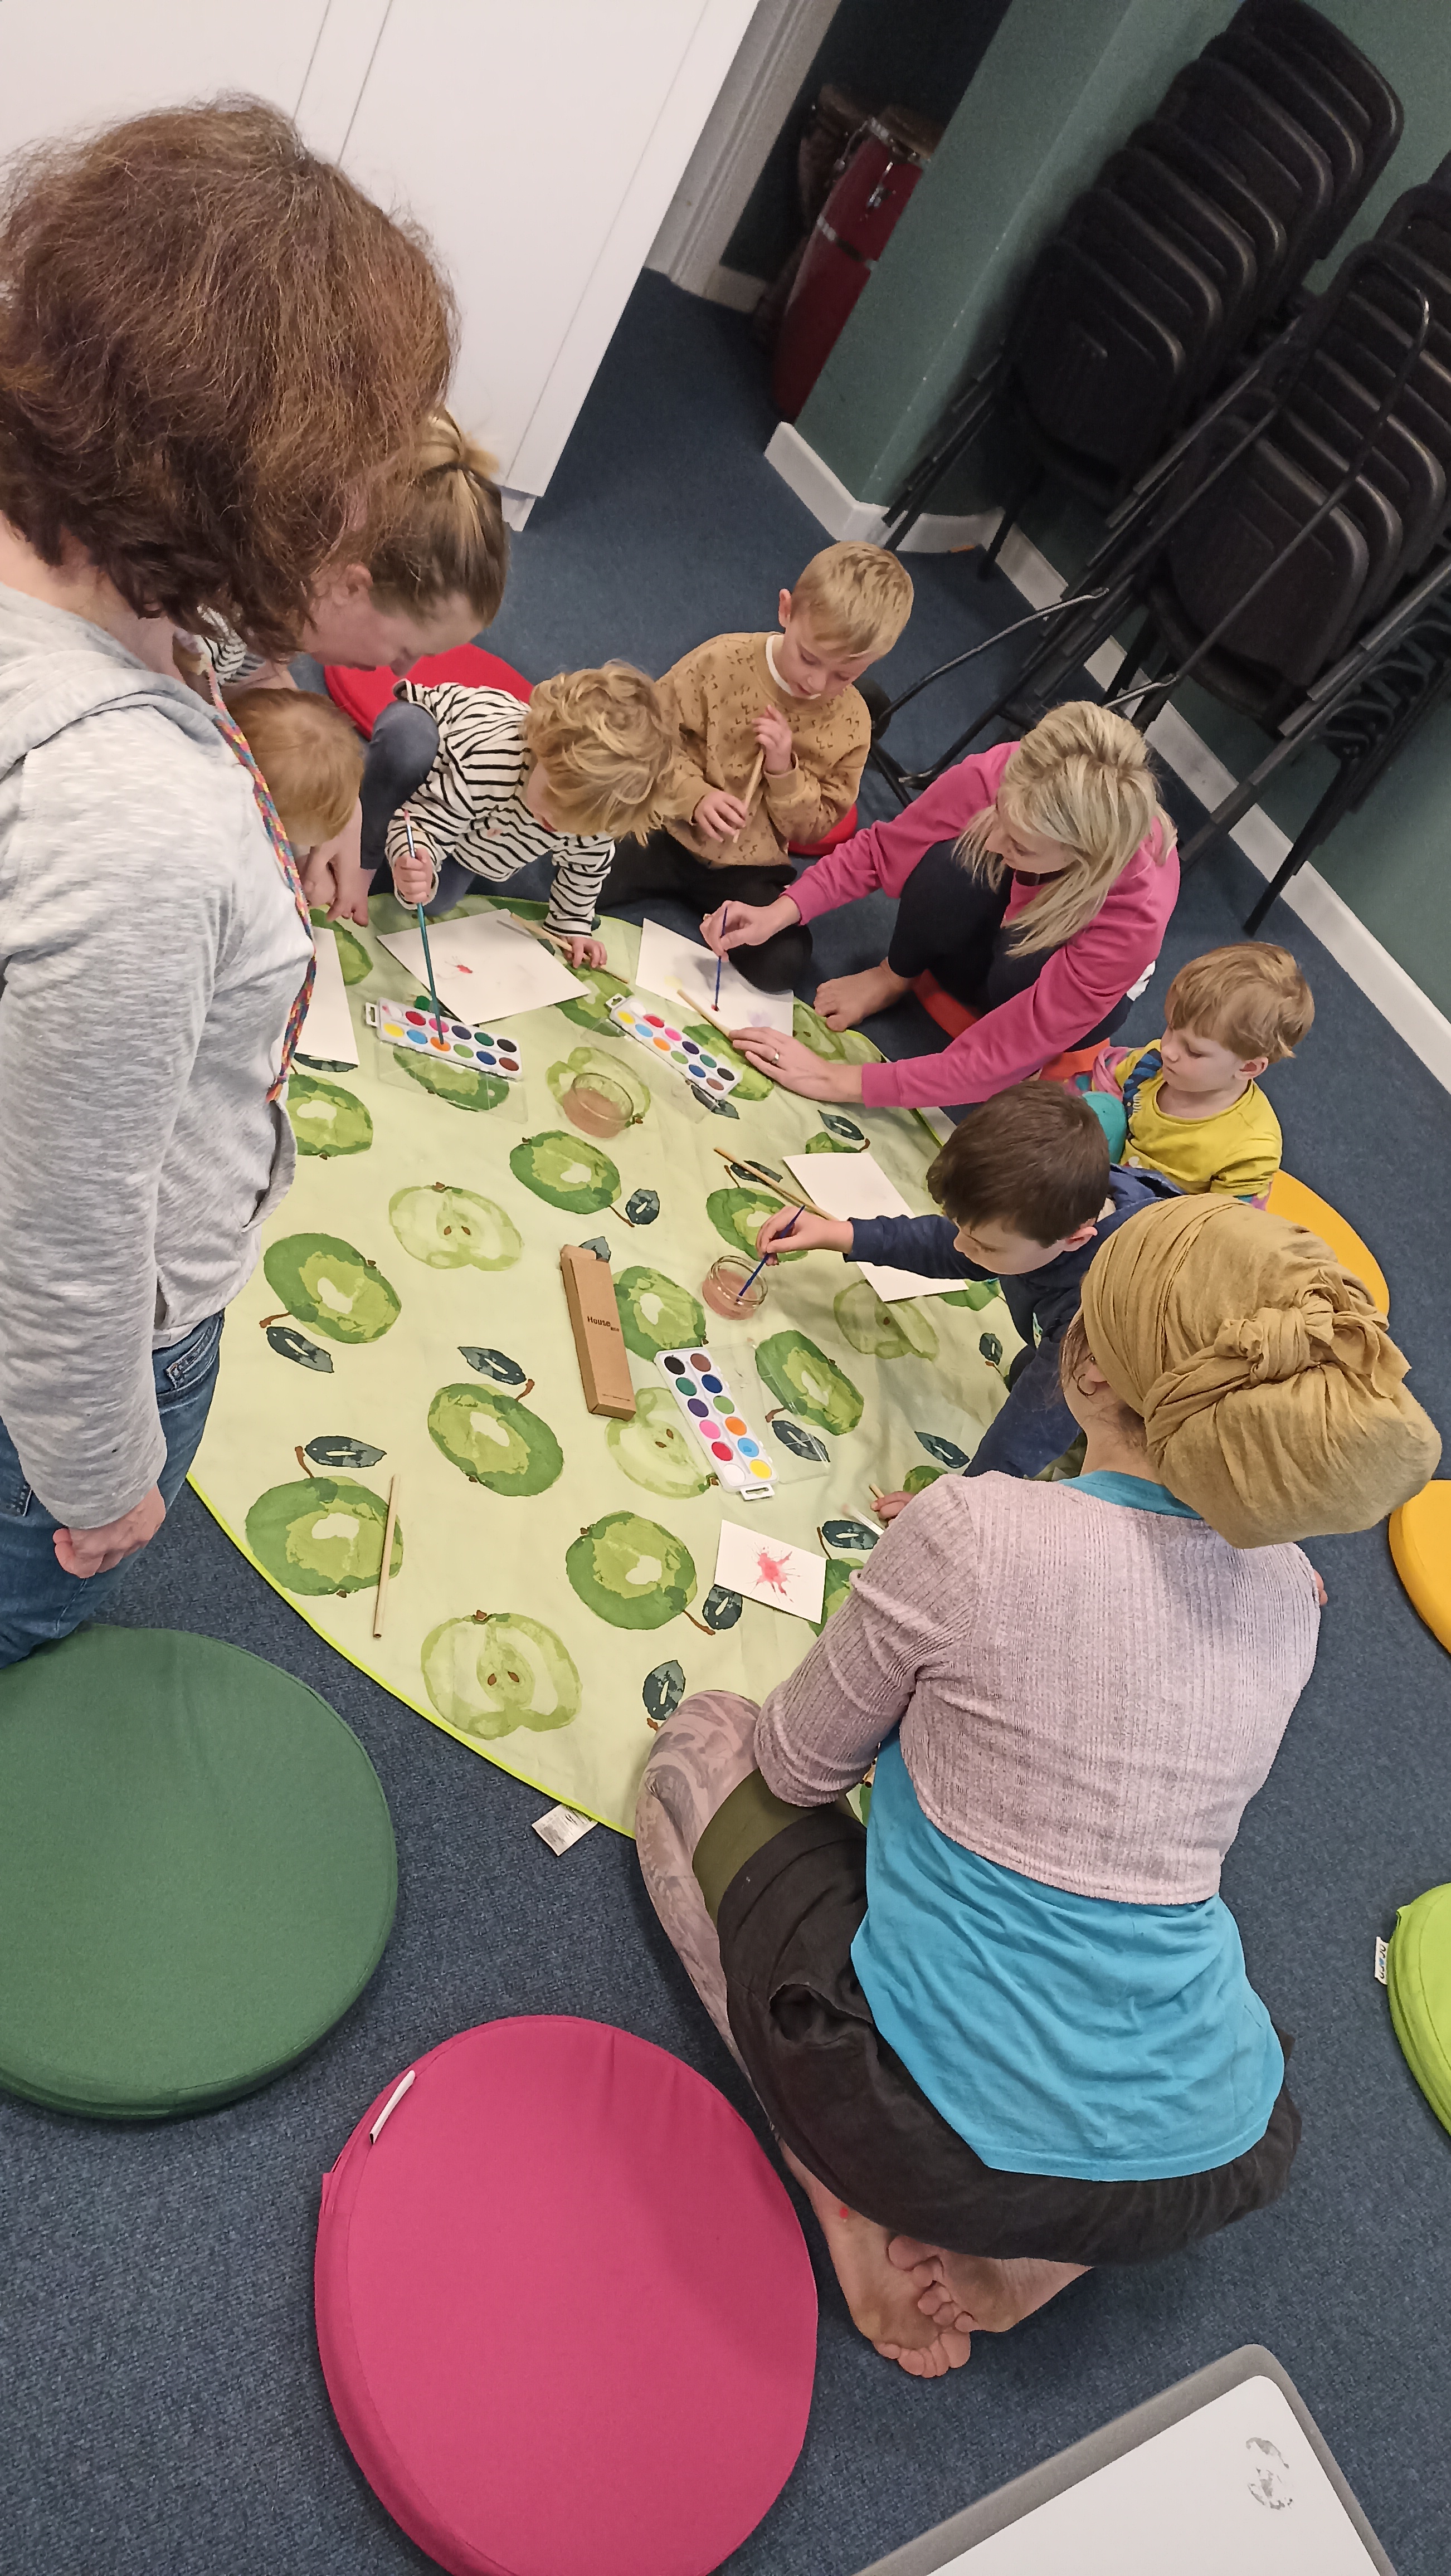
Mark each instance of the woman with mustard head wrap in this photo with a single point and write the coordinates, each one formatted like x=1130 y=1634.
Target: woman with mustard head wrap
x=1005 y=2033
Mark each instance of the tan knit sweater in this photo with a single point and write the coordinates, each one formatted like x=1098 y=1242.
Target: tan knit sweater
x=1087 y=1694
x=711 y=697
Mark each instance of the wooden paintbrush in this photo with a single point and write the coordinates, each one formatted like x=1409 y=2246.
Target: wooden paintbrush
x=778 y=1189
x=395 y=1492
x=758 y=767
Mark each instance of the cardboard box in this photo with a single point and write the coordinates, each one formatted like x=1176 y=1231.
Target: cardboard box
x=604 y=1364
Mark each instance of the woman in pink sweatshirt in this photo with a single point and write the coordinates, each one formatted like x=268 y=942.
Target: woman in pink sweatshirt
x=1034 y=881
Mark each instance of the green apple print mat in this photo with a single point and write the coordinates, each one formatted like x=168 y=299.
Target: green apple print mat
x=552 y=1588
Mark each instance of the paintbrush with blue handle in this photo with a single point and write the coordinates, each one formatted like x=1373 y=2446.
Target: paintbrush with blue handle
x=765 y=1257
x=427 y=953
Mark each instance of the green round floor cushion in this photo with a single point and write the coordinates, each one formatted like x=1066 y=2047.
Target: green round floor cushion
x=197 y=1873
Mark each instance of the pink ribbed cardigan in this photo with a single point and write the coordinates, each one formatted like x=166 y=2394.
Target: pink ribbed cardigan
x=1087 y=1694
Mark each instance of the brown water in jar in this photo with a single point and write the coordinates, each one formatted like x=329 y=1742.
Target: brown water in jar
x=724 y=1281
x=596 y=1106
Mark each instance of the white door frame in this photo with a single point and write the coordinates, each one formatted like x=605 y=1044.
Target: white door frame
x=773 y=60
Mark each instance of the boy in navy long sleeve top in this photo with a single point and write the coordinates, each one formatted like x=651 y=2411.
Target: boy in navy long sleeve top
x=1029 y=1195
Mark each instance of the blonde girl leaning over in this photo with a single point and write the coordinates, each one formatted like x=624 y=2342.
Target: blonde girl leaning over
x=432 y=579
x=1034 y=881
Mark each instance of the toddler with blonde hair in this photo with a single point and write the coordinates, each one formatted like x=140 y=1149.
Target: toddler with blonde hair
x=485 y=783
x=771 y=737
x=310 y=758
x=1190 y=1107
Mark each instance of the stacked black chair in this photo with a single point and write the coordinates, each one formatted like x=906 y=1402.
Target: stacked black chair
x=1195 y=238
x=1292 y=550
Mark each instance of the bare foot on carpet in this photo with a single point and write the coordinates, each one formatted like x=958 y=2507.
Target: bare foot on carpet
x=965 y=2294
x=884 y=2301
x=844 y=1001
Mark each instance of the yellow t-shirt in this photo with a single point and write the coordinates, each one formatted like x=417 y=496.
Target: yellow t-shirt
x=1236 y=1153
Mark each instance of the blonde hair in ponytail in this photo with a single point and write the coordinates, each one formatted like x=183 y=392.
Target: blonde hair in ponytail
x=1082 y=777
x=447 y=534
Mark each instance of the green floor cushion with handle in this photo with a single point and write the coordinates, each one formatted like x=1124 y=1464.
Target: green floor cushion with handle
x=197 y=1873
x=1418 y=1981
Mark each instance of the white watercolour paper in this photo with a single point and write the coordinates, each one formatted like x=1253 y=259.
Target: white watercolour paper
x=771 y=1571
x=852 y=1185
x=326 y=1034
x=486 y=970
x=671 y=966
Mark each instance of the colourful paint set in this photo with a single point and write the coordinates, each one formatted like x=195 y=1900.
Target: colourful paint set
x=650 y=1028
x=403 y=1024
x=699 y=1387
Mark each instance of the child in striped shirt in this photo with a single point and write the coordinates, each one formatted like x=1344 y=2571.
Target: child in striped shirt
x=487 y=783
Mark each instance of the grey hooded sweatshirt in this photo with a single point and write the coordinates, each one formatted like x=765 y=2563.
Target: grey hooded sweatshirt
x=149 y=954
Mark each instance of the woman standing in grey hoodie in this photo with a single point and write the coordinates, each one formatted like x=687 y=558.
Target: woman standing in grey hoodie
x=213 y=353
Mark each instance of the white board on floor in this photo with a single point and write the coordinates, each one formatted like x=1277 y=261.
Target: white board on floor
x=1226 y=2475
x=852 y=1185
x=326 y=1035
x=671 y=965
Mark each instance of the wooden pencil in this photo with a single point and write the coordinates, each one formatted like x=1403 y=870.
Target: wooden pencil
x=395 y=1486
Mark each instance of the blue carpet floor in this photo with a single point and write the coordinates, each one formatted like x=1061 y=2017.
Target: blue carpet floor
x=159 y=2384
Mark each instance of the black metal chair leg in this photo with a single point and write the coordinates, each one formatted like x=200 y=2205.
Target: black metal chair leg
x=1021 y=495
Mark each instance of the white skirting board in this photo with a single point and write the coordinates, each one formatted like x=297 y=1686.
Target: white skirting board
x=1383 y=981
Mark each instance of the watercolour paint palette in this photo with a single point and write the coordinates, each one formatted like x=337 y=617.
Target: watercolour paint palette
x=670 y=1045
x=401 y=1024
x=700 y=1389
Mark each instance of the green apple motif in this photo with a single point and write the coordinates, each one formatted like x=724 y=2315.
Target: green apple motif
x=631 y=1572
x=656 y=1450
x=325 y=1283
x=655 y=1314
x=591 y=1008
x=453 y=1229
x=463 y=1086
x=325 y=1118
x=807 y=1383
x=567 y=1171
x=738 y=1216
x=498 y=1671
x=324 y=1534
x=494 y=1440
x=882 y=1332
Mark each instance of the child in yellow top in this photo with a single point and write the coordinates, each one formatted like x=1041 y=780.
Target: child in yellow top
x=771 y=740
x=1193 y=1107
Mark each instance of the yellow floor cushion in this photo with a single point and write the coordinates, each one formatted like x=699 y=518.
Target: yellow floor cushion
x=1293 y=1200
x=1420 y=1535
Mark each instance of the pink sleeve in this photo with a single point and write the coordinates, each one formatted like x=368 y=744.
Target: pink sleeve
x=1077 y=988
x=885 y=854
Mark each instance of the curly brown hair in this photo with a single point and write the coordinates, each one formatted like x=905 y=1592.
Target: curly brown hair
x=215 y=353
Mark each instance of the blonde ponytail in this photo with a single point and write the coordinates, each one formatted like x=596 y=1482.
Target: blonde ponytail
x=447 y=535
x=1082 y=777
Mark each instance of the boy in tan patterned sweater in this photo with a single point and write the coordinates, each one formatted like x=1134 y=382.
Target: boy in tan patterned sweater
x=772 y=742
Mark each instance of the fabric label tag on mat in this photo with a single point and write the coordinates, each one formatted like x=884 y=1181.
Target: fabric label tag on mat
x=563 y=1827
x=1380 y=1962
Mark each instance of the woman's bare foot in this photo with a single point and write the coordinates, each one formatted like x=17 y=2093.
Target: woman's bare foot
x=884 y=2302
x=844 y=1001
x=965 y=2294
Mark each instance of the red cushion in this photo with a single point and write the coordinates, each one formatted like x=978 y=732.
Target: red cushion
x=564 y=2308
x=364 y=694
x=841 y=831
x=943 y=1007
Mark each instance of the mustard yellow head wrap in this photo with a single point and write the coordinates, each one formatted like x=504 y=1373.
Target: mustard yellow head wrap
x=1271 y=1392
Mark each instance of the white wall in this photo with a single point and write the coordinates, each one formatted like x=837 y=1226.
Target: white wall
x=539 y=142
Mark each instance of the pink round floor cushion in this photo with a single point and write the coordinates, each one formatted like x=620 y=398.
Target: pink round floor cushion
x=564 y=2307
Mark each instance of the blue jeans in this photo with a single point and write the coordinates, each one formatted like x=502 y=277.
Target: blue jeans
x=39 y=1601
